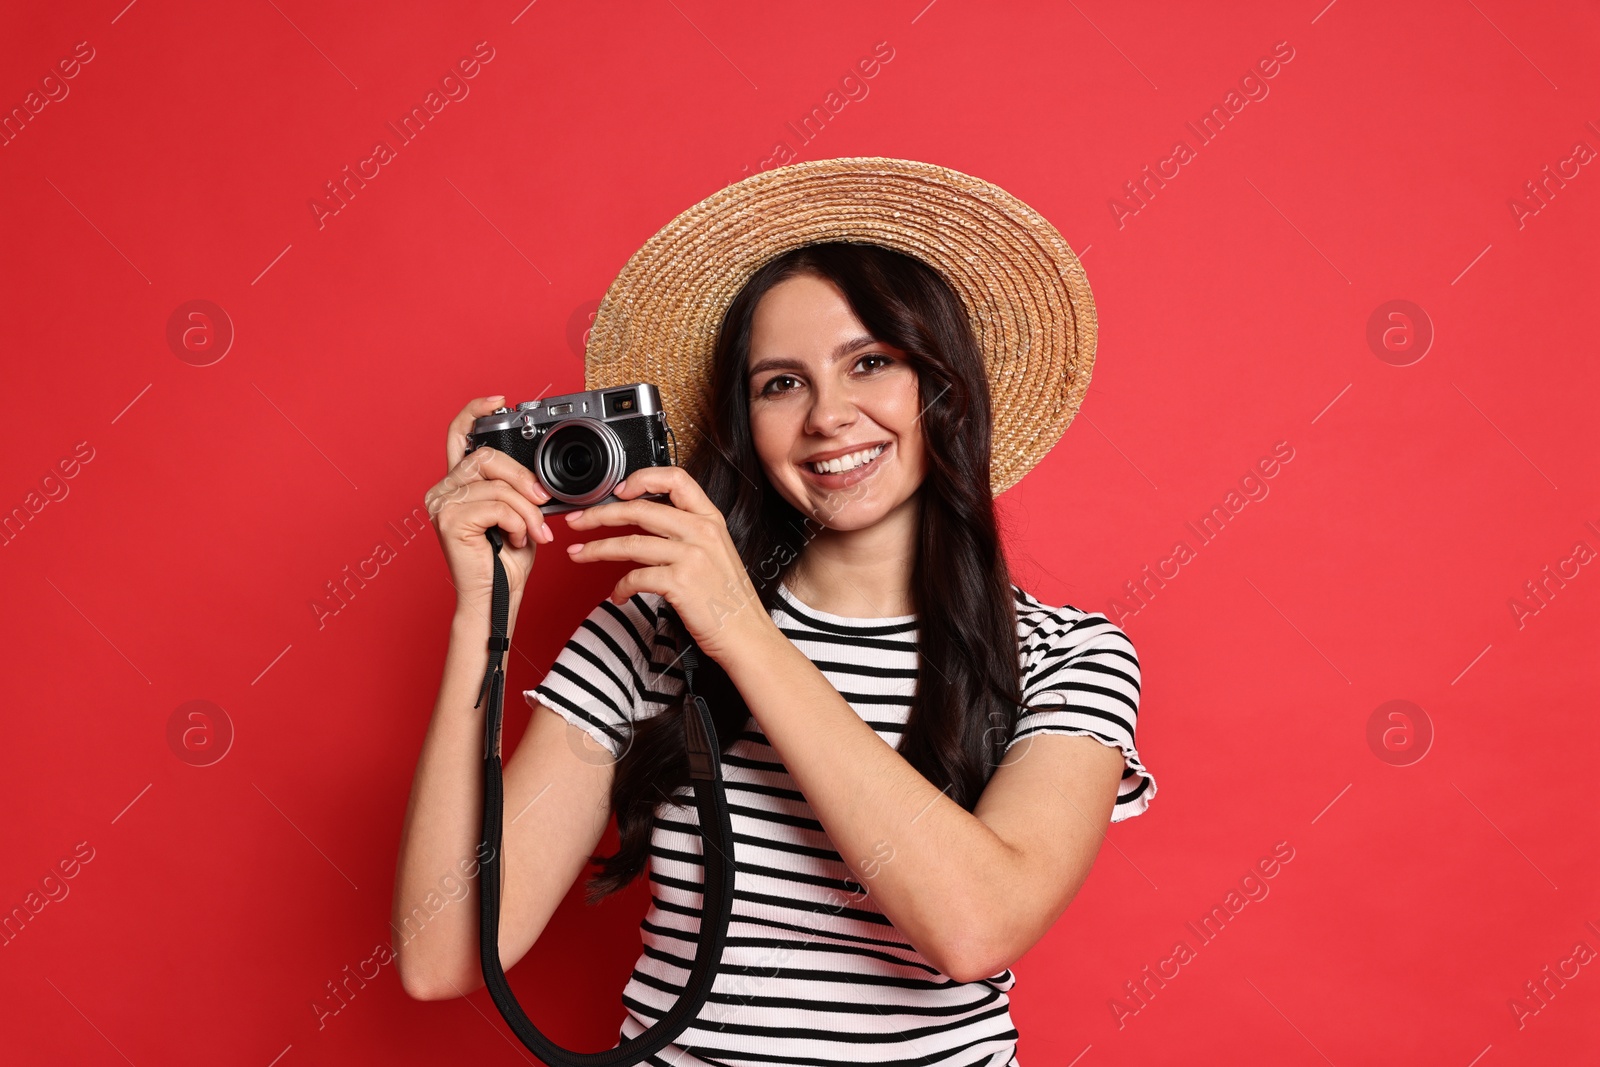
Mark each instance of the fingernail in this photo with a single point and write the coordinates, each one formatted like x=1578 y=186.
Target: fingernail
x=621 y=485
x=574 y=514
x=574 y=548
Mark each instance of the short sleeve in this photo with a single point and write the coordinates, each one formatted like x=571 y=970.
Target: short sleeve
x=600 y=680
x=1081 y=676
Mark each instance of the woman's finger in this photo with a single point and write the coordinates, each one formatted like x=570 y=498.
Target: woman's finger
x=486 y=464
x=685 y=492
x=461 y=425
x=642 y=548
x=504 y=491
x=479 y=515
x=643 y=580
x=651 y=515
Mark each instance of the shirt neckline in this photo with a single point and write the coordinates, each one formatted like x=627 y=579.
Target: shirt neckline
x=841 y=620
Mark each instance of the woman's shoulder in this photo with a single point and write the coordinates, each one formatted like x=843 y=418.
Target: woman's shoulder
x=1040 y=624
x=1058 y=644
x=644 y=608
x=637 y=619
x=1033 y=612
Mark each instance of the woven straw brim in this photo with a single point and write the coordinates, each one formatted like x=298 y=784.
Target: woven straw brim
x=1024 y=290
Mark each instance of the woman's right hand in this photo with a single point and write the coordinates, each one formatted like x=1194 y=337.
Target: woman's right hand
x=485 y=488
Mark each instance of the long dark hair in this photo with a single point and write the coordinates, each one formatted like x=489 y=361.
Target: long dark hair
x=968 y=675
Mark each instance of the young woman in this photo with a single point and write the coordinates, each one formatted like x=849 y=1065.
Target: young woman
x=920 y=757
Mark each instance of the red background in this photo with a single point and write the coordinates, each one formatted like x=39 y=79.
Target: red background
x=1234 y=305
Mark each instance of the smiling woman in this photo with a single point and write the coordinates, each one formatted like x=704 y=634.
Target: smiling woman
x=920 y=756
x=844 y=411
x=875 y=698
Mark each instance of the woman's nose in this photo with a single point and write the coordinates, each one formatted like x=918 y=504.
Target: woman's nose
x=831 y=409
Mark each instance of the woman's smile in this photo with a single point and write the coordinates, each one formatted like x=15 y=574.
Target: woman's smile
x=855 y=466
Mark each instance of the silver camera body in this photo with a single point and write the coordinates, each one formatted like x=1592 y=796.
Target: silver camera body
x=580 y=445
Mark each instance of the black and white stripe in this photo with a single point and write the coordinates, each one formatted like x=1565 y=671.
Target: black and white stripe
x=813 y=973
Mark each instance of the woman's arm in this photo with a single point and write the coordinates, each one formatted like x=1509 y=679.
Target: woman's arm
x=557 y=798
x=557 y=784
x=972 y=891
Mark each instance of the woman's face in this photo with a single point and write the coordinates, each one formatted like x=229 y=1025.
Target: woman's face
x=822 y=389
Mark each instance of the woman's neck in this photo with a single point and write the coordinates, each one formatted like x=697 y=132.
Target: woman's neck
x=861 y=574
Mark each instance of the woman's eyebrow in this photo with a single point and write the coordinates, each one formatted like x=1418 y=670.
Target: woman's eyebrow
x=785 y=363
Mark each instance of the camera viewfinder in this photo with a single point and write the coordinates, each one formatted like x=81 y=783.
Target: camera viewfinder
x=621 y=403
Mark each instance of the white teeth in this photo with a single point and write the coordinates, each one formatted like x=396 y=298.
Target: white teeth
x=846 y=463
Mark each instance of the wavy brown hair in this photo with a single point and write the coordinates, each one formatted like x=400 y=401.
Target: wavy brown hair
x=968 y=676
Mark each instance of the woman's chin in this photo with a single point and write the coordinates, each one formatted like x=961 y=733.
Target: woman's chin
x=843 y=514
x=855 y=507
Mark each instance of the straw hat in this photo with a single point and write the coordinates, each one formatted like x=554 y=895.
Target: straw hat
x=1024 y=290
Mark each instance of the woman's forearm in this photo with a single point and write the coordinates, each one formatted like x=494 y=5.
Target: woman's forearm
x=926 y=863
x=437 y=946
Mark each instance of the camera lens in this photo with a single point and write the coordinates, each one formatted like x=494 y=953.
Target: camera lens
x=580 y=461
x=574 y=459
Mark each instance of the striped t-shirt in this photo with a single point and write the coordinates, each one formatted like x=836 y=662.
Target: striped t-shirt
x=813 y=972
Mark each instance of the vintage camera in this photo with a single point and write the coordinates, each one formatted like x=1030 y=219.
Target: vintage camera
x=579 y=446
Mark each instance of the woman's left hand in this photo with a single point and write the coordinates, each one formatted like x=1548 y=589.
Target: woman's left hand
x=690 y=557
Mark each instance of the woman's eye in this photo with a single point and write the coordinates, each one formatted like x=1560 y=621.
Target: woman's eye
x=775 y=384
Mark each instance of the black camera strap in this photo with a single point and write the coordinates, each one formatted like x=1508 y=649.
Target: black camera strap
x=716 y=833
